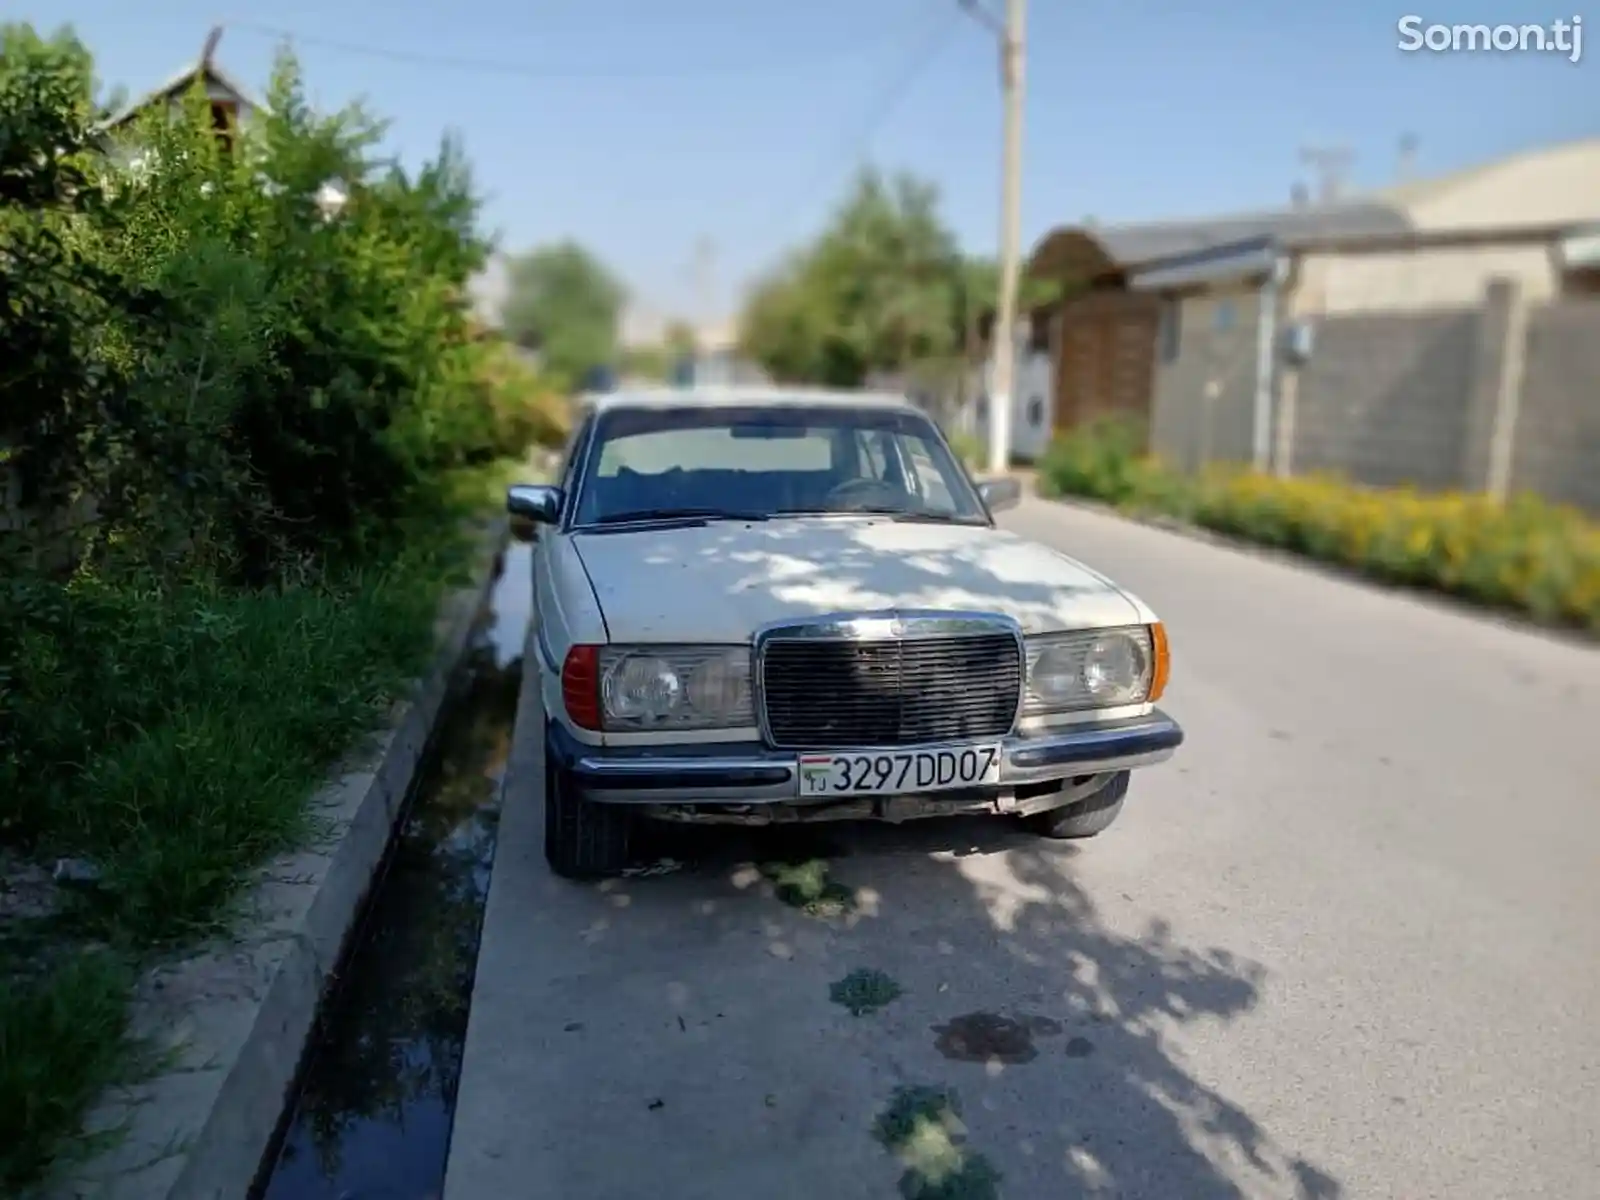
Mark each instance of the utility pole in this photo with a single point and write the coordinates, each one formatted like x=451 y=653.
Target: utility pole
x=1012 y=34
x=705 y=253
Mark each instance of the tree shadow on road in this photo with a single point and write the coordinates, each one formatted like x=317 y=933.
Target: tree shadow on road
x=1059 y=1029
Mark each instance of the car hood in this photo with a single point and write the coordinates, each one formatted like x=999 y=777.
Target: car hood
x=721 y=581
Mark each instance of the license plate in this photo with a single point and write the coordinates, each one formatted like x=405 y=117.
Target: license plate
x=895 y=772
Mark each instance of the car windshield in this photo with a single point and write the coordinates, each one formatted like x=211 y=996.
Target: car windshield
x=761 y=461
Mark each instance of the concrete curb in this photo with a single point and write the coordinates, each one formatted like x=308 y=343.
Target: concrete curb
x=1507 y=619
x=236 y=1018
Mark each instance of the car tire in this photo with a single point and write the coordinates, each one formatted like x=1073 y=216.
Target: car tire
x=582 y=840
x=1086 y=817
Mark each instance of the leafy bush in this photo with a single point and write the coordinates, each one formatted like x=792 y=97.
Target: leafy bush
x=1527 y=554
x=1105 y=460
x=240 y=377
x=244 y=425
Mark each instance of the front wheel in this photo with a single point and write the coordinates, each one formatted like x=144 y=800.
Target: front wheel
x=582 y=840
x=1086 y=817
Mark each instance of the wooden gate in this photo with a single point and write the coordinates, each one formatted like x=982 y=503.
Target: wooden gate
x=1105 y=358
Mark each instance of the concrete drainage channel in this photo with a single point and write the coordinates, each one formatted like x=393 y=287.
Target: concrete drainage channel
x=372 y=1109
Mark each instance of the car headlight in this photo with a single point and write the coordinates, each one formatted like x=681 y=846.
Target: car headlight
x=1090 y=668
x=675 y=687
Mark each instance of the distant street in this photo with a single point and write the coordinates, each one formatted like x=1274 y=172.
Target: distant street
x=1345 y=944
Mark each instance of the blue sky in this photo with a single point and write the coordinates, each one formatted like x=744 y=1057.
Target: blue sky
x=640 y=126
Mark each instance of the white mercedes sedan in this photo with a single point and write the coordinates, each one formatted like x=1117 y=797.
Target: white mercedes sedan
x=764 y=606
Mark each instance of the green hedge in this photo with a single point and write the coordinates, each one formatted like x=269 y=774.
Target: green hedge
x=1527 y=554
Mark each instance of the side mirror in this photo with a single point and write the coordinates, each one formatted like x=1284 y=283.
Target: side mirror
x=1000 y=494
x=532 y=504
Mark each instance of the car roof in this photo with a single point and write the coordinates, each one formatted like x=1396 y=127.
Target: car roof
x=746 y=397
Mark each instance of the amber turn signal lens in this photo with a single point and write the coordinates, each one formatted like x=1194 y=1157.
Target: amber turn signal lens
x=1161 y=661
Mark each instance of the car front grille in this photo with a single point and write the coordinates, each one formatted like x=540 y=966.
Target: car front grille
x=821 y=694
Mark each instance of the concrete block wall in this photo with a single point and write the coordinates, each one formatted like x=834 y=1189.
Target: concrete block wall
x=1384 y=398
x=1503 y=398
x=1556 y=450
x=1203 y=407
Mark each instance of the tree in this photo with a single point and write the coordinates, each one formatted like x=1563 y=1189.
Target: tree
x=878 y=290
x=884 y=287
x=565 y=303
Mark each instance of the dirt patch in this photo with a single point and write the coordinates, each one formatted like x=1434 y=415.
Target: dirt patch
x=30 y=899
x=988 y=1037
x=28 y=892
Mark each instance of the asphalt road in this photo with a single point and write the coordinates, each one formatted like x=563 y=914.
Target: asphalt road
x=1344 y=945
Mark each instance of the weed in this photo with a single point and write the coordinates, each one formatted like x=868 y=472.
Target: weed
x=922 y=1127
x=62 y=1041
x=807 y=886
x=864 y=990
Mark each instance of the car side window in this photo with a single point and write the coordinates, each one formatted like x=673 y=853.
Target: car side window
x=925 y=476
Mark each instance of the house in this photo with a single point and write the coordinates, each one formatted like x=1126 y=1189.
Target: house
x=1193 y=326
x=233 y=107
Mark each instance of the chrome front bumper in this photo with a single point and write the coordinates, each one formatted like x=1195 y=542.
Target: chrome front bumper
x=744 y=774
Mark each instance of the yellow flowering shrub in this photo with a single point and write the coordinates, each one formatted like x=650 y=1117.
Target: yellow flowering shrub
x=1525 y=554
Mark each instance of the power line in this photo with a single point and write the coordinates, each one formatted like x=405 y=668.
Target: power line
x=882 y=108
x=561 y=70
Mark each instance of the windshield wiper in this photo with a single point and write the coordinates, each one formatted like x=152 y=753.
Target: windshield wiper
x=883 y=510
x=677 y=514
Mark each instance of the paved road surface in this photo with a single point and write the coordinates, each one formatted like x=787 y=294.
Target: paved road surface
x=1344 y=945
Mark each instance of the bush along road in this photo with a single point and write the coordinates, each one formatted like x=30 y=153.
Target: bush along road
x=243 y=434
x=1526 y=556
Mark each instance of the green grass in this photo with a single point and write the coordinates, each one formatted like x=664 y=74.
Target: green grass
x=922 y=1127
x=172 y=738
x=62 y=1041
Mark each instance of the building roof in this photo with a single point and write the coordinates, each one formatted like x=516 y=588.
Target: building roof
x=1147 y=242
x=205 y=67
x=1257 y=257
x=1420 y=190
x=735 y=397
x=1384 y=215
x=1090 y=252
